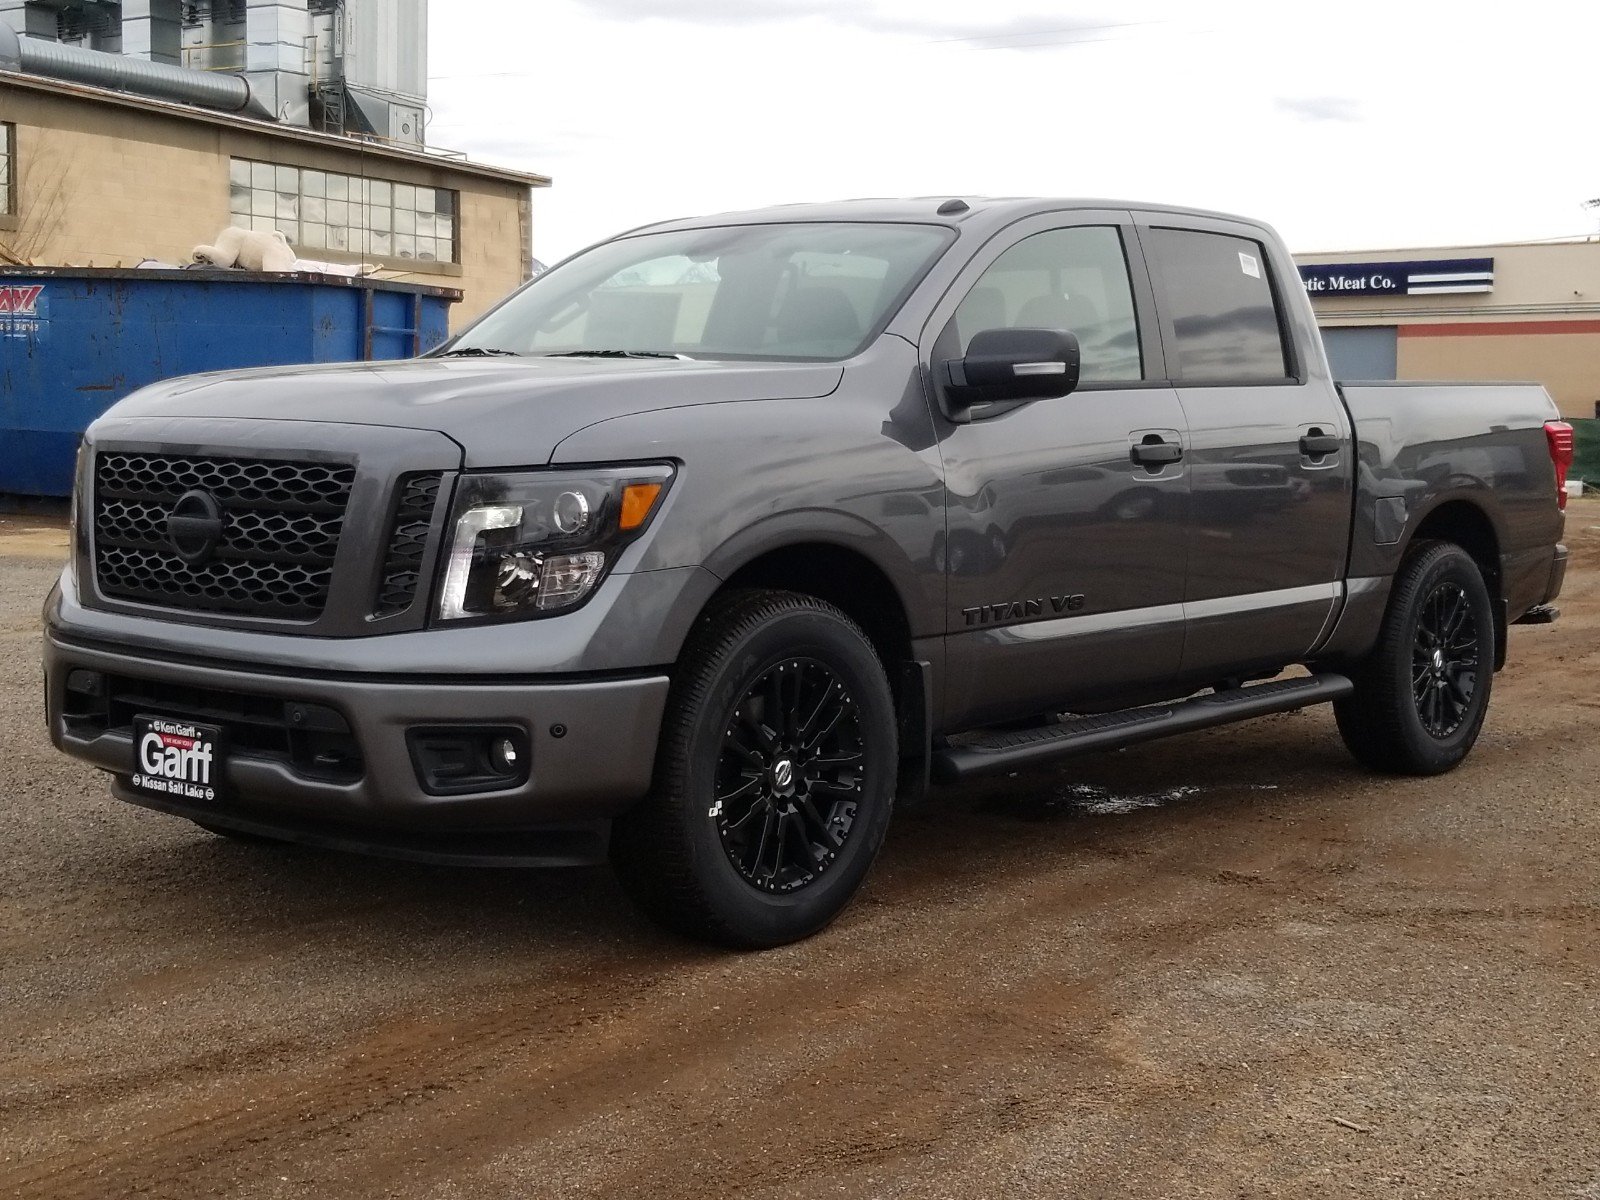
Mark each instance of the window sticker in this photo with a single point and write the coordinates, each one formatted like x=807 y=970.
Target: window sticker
x=1249 y=265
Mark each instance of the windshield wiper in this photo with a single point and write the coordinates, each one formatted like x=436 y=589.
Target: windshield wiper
x=619 y=354
x=479 y=352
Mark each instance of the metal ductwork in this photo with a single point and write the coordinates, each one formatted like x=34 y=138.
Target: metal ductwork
x=208 y=89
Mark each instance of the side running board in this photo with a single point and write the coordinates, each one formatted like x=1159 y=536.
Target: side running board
x=986 y=755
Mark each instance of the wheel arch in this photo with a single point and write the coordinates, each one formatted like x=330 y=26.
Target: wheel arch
x=854 y=567
x=845 y=578
x=793 y=551
x=1460 y=518
x=1469 y=525
x=1466 y=523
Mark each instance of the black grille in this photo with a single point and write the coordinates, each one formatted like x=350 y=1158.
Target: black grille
x=408 y=541
x=281 y=526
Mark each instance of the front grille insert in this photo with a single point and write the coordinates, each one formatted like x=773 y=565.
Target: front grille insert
x=281 y=523
x=408 y=542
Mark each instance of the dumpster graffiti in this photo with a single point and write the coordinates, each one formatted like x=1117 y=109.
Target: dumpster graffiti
x=22 y=310
x=20 y=299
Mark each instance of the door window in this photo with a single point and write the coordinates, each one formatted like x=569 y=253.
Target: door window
x=1074 y=279
x=1218 y=293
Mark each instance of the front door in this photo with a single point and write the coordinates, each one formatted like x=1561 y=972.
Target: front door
x=1065 y=537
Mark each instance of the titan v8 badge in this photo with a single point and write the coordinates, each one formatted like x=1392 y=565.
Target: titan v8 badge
x=1023 y=610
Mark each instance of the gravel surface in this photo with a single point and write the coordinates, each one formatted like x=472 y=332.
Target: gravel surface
x=1230 y=964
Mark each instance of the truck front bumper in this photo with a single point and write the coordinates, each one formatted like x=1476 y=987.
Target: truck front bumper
x=354 y=780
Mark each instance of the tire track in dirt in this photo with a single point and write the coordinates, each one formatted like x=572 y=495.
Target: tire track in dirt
x=368 y=1079
x=699 y=1068
x=427 y=1063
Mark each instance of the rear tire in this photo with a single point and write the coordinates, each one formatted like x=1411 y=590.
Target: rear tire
x=1422 y=693
x=775 y=775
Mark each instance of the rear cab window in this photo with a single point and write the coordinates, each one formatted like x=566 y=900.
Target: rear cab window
x=1217 y=292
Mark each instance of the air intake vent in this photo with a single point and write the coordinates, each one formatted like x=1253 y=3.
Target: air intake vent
x=408 y=543
x=258 y=536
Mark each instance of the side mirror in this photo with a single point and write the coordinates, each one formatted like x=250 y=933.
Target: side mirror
x=1011 y=365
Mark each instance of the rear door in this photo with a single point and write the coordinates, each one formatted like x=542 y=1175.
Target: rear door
x=1064 y=553
x=1270 y=455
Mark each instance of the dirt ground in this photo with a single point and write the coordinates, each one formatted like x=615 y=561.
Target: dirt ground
x=1227 y=965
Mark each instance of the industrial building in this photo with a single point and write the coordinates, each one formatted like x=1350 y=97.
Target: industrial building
x=1512 y=311
x=137 y=130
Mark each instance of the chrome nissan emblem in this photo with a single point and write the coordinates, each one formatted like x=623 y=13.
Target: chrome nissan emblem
x=783 y=773
x=194 y=527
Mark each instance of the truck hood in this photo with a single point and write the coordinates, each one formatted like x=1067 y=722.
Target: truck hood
x=502 y=411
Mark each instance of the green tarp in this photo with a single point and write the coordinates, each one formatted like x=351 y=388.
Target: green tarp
x=1586 y=459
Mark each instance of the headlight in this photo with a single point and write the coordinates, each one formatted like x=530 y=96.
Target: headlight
x=81 y=504
x=537 y=543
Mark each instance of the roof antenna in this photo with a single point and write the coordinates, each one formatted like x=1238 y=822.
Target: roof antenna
x=950 y=207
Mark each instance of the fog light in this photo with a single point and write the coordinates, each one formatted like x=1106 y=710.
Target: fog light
x=453 y=760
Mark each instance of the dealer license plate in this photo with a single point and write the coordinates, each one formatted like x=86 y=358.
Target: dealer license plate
x=177 y=759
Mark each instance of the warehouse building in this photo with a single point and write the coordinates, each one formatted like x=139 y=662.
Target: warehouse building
x=1514 y=311
x=137 y=130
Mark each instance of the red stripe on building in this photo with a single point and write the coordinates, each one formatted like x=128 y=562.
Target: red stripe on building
x=1497 y=328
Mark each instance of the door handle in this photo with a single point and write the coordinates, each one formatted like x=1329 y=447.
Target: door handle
x=1153 y=454
x=1316 y=443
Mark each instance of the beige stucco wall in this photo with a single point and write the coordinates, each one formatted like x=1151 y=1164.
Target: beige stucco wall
x=1568 y=364
x=1550 y=289
x=108 y=185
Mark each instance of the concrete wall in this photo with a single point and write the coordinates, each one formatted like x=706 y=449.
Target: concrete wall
x=1540 y=322
x=107 y=184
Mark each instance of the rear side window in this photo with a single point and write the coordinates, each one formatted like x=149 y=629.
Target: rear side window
x=1074 y=279
x=1218 y=292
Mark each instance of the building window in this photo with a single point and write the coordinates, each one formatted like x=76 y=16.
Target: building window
x=8 y=170
x=323 y=210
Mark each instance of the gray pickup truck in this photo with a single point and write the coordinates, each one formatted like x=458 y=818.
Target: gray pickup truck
x=721 y=539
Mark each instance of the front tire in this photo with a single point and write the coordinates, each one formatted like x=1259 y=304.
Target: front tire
x=1422 y=694
x=775 y=776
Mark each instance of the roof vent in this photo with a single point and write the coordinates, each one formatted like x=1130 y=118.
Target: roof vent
x=950 y=207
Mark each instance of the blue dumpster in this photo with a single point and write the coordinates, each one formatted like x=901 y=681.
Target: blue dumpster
x=73 y=341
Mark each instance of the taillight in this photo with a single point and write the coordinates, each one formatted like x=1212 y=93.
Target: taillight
x=1559 y=435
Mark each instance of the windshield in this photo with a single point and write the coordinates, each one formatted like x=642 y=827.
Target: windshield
x=803 y=291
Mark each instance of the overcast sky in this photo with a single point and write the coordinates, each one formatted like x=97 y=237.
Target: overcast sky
x=1348 y=124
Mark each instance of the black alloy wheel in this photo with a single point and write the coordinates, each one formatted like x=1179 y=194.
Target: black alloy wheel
x=1444 y=660
x=1422 y=692
x=775 y=774
x=789 y=777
